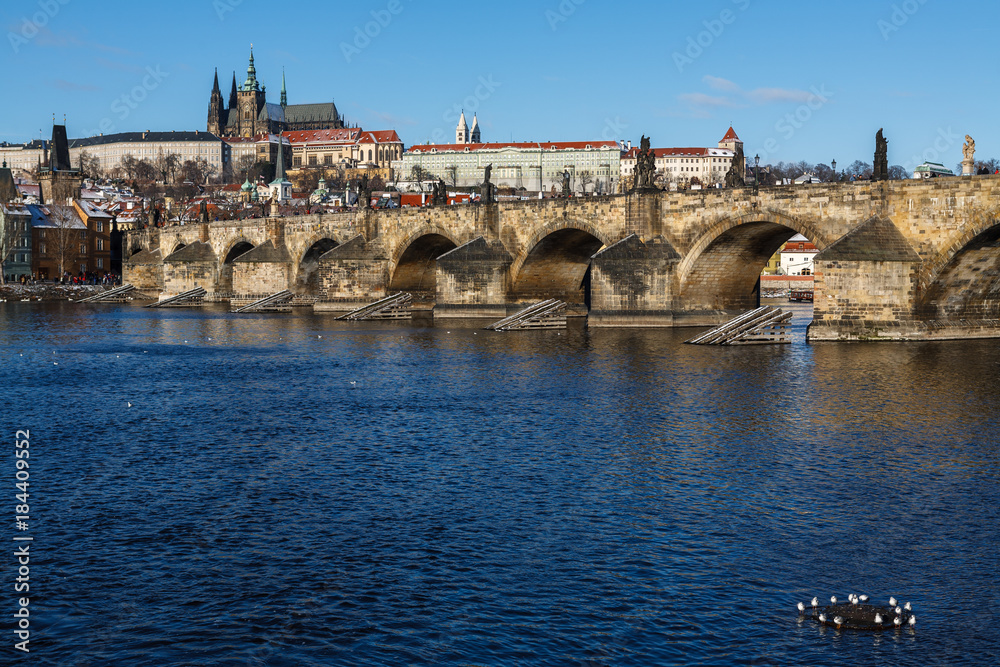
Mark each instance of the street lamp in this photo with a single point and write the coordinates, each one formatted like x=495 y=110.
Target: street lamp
x=756 y=173
x=833 y=163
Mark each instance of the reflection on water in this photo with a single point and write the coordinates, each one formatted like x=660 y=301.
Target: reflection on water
x=288 y=489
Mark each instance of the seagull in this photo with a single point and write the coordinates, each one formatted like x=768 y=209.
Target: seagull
x=822 y=618
x=129 y=404
x=55 y=363
x=838 y=621
x=907 y=606
x=913 y=620
x=878 y=619
x=854 y=599
x=815 y=602
x=185 y=342
x=897 y=621
x=892 y=602
x=833 y=599
x=318 y=336
x=801 y=607
x=898 y=610
x=353 y=382
x=864 y=598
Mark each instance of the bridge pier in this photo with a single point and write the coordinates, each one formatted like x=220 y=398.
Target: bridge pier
x=194 y=265
x=472 y=280
x=632 y=284
x=865 y=285
x=265 y=270
x=144 y=270
x=352 y=275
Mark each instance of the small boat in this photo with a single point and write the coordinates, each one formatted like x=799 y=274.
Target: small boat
x=800 y=295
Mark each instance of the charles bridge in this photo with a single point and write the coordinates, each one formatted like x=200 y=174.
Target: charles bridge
x=898 y=259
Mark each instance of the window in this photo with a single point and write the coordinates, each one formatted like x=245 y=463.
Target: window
x=83 y=249
x=99 y=226
x=100 y=244
x=312 y=161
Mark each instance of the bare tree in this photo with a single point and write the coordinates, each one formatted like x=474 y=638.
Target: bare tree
x=898 y=173
x=129 y=164
x=244 y=165
x=90 y=165
x=452 y=173
x=585 y=179
x=64 y=238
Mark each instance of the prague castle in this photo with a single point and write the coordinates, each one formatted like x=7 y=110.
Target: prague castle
x=249 y=113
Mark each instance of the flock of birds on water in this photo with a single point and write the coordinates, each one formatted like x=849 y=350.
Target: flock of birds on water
x=857 y=613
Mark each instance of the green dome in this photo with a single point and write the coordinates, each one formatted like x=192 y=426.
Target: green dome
x=246 y=187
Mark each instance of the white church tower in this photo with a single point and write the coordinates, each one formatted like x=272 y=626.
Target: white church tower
x=462 y=131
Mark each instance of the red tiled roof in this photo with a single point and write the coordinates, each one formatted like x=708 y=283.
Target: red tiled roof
x=548 y=145
x=309 y=136
x=379 y=137
x=730 y=135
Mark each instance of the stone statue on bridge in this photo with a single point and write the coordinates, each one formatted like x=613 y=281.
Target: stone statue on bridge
x=968 y=156
x=364 y=192
x=734 y=177
x=486 y=192
x=880 y=170
x=203 y=211
x=439 y=197
x=645 y=167
x=566 y=189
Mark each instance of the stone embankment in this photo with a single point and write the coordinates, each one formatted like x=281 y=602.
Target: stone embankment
x=48 y=292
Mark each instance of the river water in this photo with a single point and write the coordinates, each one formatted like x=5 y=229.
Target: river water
x=290 y=490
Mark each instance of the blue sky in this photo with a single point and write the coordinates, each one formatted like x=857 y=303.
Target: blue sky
x=798 y=80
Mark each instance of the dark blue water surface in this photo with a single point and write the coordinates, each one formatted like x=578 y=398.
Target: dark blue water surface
x=292 y=490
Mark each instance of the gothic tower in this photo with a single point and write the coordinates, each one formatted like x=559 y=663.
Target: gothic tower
x=284 y=94
x=216 y=111
x=250 y=102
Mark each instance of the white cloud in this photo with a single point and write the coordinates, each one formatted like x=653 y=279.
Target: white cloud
x=716 y=83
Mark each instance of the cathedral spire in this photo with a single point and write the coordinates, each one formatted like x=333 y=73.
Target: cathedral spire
x=251 y=82
x=284 y=95
x=215 y=87
x=232 y=95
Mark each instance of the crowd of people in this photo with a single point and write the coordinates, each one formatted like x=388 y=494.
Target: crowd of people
x=81 y=278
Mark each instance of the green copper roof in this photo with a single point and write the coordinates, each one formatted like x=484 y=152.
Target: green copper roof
x=246 y=187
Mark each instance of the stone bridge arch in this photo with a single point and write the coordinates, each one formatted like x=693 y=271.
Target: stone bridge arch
x=305 y=266
x=236 y=247
x=721 y=269
x=412 y=265
x=555 y=262
x=962 y=281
